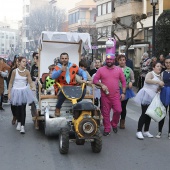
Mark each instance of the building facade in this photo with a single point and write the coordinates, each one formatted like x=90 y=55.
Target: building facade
x=108 y=10
x=82 y=16
x=9 y=41
x=28 y=7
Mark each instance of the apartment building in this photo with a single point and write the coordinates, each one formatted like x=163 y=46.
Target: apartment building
x=82 y=15
x=8 y=40
x=28 y=7
x=107 y=10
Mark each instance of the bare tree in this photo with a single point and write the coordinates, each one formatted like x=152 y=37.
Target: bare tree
x=45 y=19
x=95 y=35
x=131 y=30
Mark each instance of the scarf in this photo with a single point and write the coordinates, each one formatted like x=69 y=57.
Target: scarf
x=67 y=71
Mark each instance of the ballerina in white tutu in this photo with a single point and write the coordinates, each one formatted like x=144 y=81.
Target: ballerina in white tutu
x=145 y=96
x=19 y=93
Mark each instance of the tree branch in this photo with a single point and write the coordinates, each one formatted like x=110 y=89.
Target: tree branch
x=114 y=34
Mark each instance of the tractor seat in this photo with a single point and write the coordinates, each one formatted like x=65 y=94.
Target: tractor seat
x=84 y=105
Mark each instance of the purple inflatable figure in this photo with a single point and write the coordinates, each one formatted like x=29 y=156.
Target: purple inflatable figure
x=111 y=46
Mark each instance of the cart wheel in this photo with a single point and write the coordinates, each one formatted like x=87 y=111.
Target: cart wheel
x=64 y=141
x=96 y=145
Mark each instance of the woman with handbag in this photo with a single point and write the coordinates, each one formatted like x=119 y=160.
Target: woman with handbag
x=145 y=96
x=165 y=95
x=19 y=93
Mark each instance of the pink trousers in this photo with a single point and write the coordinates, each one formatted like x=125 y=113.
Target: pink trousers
x=108 y=103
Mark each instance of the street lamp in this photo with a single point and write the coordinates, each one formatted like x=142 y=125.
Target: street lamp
x=153 y=3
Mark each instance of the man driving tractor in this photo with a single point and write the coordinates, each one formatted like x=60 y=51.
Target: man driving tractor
x=64 y=74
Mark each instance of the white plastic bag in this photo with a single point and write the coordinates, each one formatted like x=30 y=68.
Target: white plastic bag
x=156 y=109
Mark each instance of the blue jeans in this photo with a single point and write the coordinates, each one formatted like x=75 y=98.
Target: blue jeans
x=61 y=99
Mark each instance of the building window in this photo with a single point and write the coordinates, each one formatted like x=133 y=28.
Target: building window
x=109 y=7
x=69 y=19
x=103 y=9
x=99 y=32
x=109 y=31
x=77 y=16
x=82 y=14
x=113 y=6
x=27 y=21
x=2 y=35
x=2 y=45
x=27 y=33
x=92 y=14
x=104 y=31
x=27 y=45
x=122 y=1
x=6 y=36
x=27 y=8
x=73 y=18
x=99 y=10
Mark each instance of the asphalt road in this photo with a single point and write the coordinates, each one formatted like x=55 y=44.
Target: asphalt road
x=121 y=151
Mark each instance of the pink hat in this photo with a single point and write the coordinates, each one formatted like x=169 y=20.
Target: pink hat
x=110 y=56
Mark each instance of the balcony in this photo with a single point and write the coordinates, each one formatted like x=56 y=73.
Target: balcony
x=104 y=18
x=129 y=8
x=122 y=34
x=81 y=23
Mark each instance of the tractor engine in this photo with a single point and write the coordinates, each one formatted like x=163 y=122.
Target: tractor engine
x=86 y=119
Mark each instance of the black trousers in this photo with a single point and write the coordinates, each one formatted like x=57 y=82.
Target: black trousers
x=20 y=112
x=1 y=100
x=144 y=120
x=161 y=123
x=140 y=82
x=124 y=111
x=14 y=110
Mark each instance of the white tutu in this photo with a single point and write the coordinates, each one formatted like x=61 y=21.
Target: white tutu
x=21 y=96
x=144 y=96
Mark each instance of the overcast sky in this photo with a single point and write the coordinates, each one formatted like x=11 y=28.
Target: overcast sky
x=12 y=9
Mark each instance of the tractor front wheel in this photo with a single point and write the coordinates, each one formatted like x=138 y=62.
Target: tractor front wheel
x=64 y=141
x=96 y=145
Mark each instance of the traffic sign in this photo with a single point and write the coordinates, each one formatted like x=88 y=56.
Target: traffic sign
x=94 y=47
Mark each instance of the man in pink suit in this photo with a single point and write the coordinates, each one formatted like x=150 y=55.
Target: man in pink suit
x=108 y=78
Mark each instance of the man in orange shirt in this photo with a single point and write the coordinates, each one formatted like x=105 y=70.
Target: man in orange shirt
x=64 y=74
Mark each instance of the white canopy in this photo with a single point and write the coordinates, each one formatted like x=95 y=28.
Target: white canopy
x=65 y=37
x=52 y=44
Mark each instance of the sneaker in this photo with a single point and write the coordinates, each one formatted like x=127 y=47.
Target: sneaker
x=139 y=135
x=18 y=126
x=22 y=131
x=147 y=134
x=115 y=130
x=106 y=133
x=158 y=135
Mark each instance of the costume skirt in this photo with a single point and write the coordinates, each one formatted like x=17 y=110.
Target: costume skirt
x=145 y=96
x=21 y=96
x=165 y=95
x=129 y=93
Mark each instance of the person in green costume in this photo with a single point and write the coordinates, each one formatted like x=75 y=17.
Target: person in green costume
x=129 y=75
